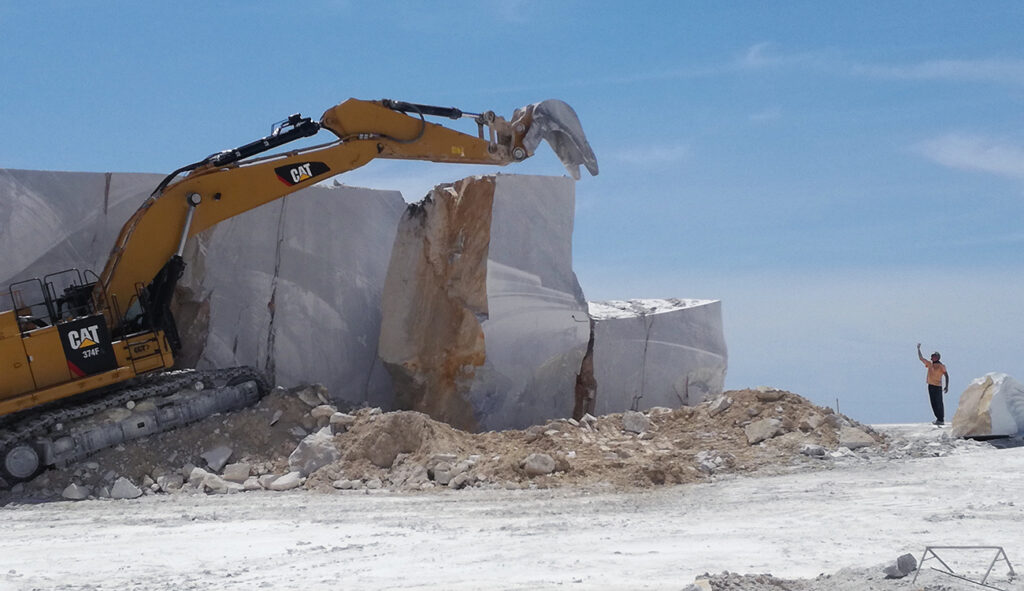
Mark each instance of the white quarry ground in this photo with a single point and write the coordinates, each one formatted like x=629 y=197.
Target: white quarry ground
x=849 y=522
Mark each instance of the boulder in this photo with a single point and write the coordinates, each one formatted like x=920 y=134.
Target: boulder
x=992 y=405
x=217 y=485
x=314 y=452
x=409 y=476
x=907 y=563
x=761 y=430
x=322 y=414
x=484 y=323
x=441 y=473
x=719 y=405
x=237 y=472
x=537 y=464
x=196 y=476
x=635 y=422
x=217 y=457
x=346 y=484
x=766 y=394
x=648 y=353
x=286 y=482
x=75 y=492
x=170 y=482
x=340 y=422
x=854 y=438
x=812 y=450
x=314 y=395
x=904 y=565
x=125 y=489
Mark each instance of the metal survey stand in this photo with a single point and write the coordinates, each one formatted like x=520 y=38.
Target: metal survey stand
x=1000 y=554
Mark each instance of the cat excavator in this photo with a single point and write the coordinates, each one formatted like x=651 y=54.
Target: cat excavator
x=74 y=344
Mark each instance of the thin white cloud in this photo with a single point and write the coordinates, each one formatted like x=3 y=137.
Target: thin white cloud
x=976 y=153
x=514 y=11
x=767 y=115
x=653 y=155
x=997 y=70
x=763 y=55
x=1006 y=71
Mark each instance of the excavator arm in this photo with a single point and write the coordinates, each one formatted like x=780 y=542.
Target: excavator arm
x=146 y=258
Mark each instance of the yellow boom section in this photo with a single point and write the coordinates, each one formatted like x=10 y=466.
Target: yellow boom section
x=365 y=130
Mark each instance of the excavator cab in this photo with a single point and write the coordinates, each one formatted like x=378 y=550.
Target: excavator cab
x=38 y=305
x=54 y=340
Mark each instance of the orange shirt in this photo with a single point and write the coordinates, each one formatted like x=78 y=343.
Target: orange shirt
x=935 y=372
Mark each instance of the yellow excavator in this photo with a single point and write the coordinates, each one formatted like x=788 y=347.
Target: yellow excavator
x=75 y=344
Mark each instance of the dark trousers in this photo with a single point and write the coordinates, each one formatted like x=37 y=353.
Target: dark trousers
x=935 y=395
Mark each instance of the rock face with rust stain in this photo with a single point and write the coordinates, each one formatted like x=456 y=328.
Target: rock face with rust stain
x=484 y=323
x=657 y=352
x=992 y=405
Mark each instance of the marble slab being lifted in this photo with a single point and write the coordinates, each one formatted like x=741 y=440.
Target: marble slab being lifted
x=656 y=352
x=991 y=406
x=484 y=323
x=292 y=287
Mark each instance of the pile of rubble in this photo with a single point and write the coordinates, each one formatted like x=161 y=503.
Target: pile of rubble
x=296 y=438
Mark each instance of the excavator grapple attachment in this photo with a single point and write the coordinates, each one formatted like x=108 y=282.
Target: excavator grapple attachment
x=555 y=121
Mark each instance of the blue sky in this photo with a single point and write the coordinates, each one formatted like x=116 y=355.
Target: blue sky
x=848 y=178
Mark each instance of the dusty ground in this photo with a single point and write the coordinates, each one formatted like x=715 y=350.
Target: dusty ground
x=606 y=516
x=798 y=531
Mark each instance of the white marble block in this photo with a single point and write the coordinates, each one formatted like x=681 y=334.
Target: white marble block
x=484 y=322
x=992 y=405
x=51 y=221
x=652 y=352
x=292 y=287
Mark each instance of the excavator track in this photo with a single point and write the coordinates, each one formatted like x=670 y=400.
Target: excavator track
x=60 y=434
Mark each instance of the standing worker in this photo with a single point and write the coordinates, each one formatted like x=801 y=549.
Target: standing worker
x=936 y=371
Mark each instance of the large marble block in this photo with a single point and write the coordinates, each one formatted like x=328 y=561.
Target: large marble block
x=484 y=322
x=292 y=287
x=51 y=221
x=652 y=352
x=992 y=405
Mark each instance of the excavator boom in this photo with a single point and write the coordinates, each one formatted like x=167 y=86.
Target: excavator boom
x=226 y=184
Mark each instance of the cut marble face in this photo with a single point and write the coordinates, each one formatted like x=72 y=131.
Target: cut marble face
x=650 y=353
x=485 y=325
